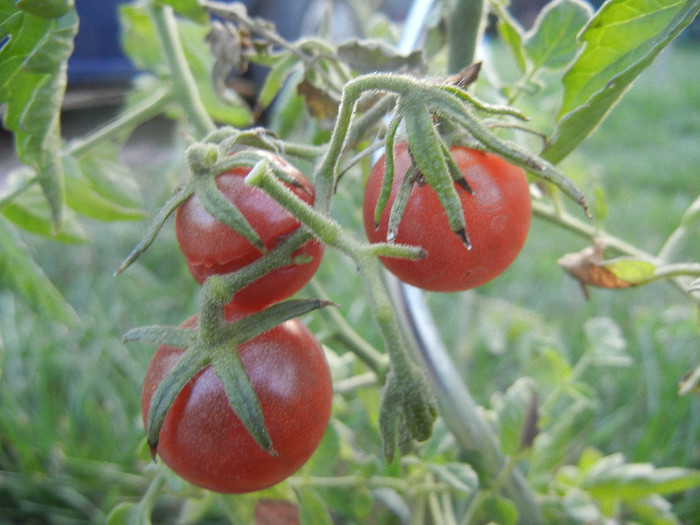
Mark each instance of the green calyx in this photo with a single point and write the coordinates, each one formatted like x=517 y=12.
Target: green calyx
x=214 y=343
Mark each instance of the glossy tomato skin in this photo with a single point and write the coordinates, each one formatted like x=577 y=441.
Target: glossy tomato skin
x=204 y=442
x=497 y=216
x=210 y=247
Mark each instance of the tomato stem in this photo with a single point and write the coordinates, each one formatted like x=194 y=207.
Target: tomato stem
x=183 y=83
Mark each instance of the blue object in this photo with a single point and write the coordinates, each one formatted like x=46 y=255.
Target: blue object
x=98 y=57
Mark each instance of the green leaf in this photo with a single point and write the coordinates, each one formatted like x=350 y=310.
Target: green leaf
x=128 y=514
x=514 y=412
x=607 y=342
x=21 y=275
x=631 y=270
x=653 y=510
x=498 y=509
x=140 y=42
x=612 y=478
x=33 y=72
x=45 y=8
x=138 y=37
x=552 y=41
x=512 y=35
x=369 y=56
x=110 y=178
x=276 y=78
x=28 y=209
x=84 y=198
x=191 y=9
x=553 y=443
x=459 y=476
x=621 y=40
x=312 y=507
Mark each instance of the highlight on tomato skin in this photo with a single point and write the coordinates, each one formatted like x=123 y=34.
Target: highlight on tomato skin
x=211 y=247
x=204 y=442
x=497 y=216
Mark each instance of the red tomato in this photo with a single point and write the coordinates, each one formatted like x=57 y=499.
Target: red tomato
x=211 y=247
x=202 y=439
x=497 y=216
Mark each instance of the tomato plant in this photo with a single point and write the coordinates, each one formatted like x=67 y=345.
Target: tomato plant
x=568 y=413
x=496 y=212
x=212 y=247
x=203 y=440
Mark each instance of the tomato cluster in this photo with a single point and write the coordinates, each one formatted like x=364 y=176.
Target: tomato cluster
x=202 y=439
x=496 y=212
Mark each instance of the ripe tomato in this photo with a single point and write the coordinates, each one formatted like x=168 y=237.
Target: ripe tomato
x=211 y=247
x=202 y=439
x=497 y=216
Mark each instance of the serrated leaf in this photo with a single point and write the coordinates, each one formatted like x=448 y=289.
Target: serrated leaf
x=612 y=478
x=552 y=41
x=370 y=56
x=33 y=68
x=20 y=274
x=53 y=48
x=622 y=39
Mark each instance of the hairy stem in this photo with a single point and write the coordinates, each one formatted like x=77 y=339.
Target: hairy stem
x=183 y=84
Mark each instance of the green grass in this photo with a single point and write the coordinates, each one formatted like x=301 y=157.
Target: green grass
x=71 y=440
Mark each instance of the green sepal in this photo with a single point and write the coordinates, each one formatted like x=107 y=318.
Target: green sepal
x=166 y=335
x=253 y=325
x=225 y=211
x=180 y=196
x=427 y=151
x=170 y=386
x=388 y=179
x=239 y=390
x=398 y=207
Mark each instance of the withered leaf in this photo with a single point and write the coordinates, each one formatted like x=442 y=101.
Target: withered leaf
x=589 y=268
x=466 y=76
x=321 y=104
